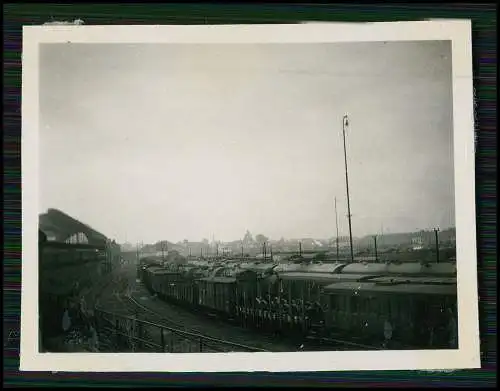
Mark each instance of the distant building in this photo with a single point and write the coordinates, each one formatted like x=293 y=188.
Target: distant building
x=417 y=243
x=225 y=250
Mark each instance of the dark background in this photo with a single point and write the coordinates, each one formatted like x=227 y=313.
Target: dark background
x=483 y=18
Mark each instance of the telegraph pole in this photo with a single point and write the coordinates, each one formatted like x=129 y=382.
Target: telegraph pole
x=337 y=226
x=300 y=248
x=436 y=236
x=271 y=251
x=264 y=251
x=375 y=244
x=345 y=124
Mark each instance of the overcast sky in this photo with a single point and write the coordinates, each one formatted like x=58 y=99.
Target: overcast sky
x=150 y=142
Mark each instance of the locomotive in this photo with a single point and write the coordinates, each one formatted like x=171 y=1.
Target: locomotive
x=391 y=305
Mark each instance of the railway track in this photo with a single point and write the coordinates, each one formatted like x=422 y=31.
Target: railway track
x=310 y=342
x=217 y=332
x=159 y=332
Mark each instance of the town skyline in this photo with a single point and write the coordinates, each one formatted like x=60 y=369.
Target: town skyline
x=249 y=237
x=324 y=241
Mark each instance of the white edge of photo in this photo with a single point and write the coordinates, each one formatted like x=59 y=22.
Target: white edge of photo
x=456 y=31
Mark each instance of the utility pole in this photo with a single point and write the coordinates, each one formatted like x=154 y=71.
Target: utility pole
x=271 y=251
x=242 y=256
x=162 y=251
x=436 y=236
x=375 y=244
x=264 y=251
x=300 y=248
x=337 y=226
x=345 y=124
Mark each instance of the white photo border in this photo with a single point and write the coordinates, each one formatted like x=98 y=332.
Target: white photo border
x=456 y=31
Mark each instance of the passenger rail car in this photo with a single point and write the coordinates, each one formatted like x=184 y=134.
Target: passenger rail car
x=398 y=314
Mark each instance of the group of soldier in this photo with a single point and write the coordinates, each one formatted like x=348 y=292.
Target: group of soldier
x=280 y=315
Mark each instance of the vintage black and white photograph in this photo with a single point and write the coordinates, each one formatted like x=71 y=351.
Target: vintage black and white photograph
x=250 y=197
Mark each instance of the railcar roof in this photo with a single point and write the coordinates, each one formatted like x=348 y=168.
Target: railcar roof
x=288 y=267
x=367 y=287
x=163 y=272
x=309 y=268
x=365 y=268
x=258 y=267
x=417 y=279
x=198 y=263
x=305 y=276
x=417 y=268
x=220 y=280
x=326 y=276
x=155 y=269
x=324 y=268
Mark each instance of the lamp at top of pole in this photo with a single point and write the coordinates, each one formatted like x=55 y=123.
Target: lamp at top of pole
x=346 y=120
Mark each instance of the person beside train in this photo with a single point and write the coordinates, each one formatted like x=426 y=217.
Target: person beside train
x=295 y=317
x=309 y=315
x=258 y=311
x=452 y=329
x=274 y=315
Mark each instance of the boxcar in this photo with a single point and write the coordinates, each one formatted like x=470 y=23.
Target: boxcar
x=399 y=315
x=163 y=283
x=150 y=278
x=187 y=287
x=218 y=292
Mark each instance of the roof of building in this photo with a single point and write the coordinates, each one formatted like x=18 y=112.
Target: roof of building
x=59 y=226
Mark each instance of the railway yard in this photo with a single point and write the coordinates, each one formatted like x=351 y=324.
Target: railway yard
x=93 y=298
x=169 y=308
x=172 y=329
x=128 y=318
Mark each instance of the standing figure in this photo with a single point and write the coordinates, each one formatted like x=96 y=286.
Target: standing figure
x=453 y=330
x=387 y=333
x=66 y=320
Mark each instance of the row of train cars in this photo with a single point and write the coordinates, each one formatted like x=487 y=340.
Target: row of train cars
x=378 y=305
